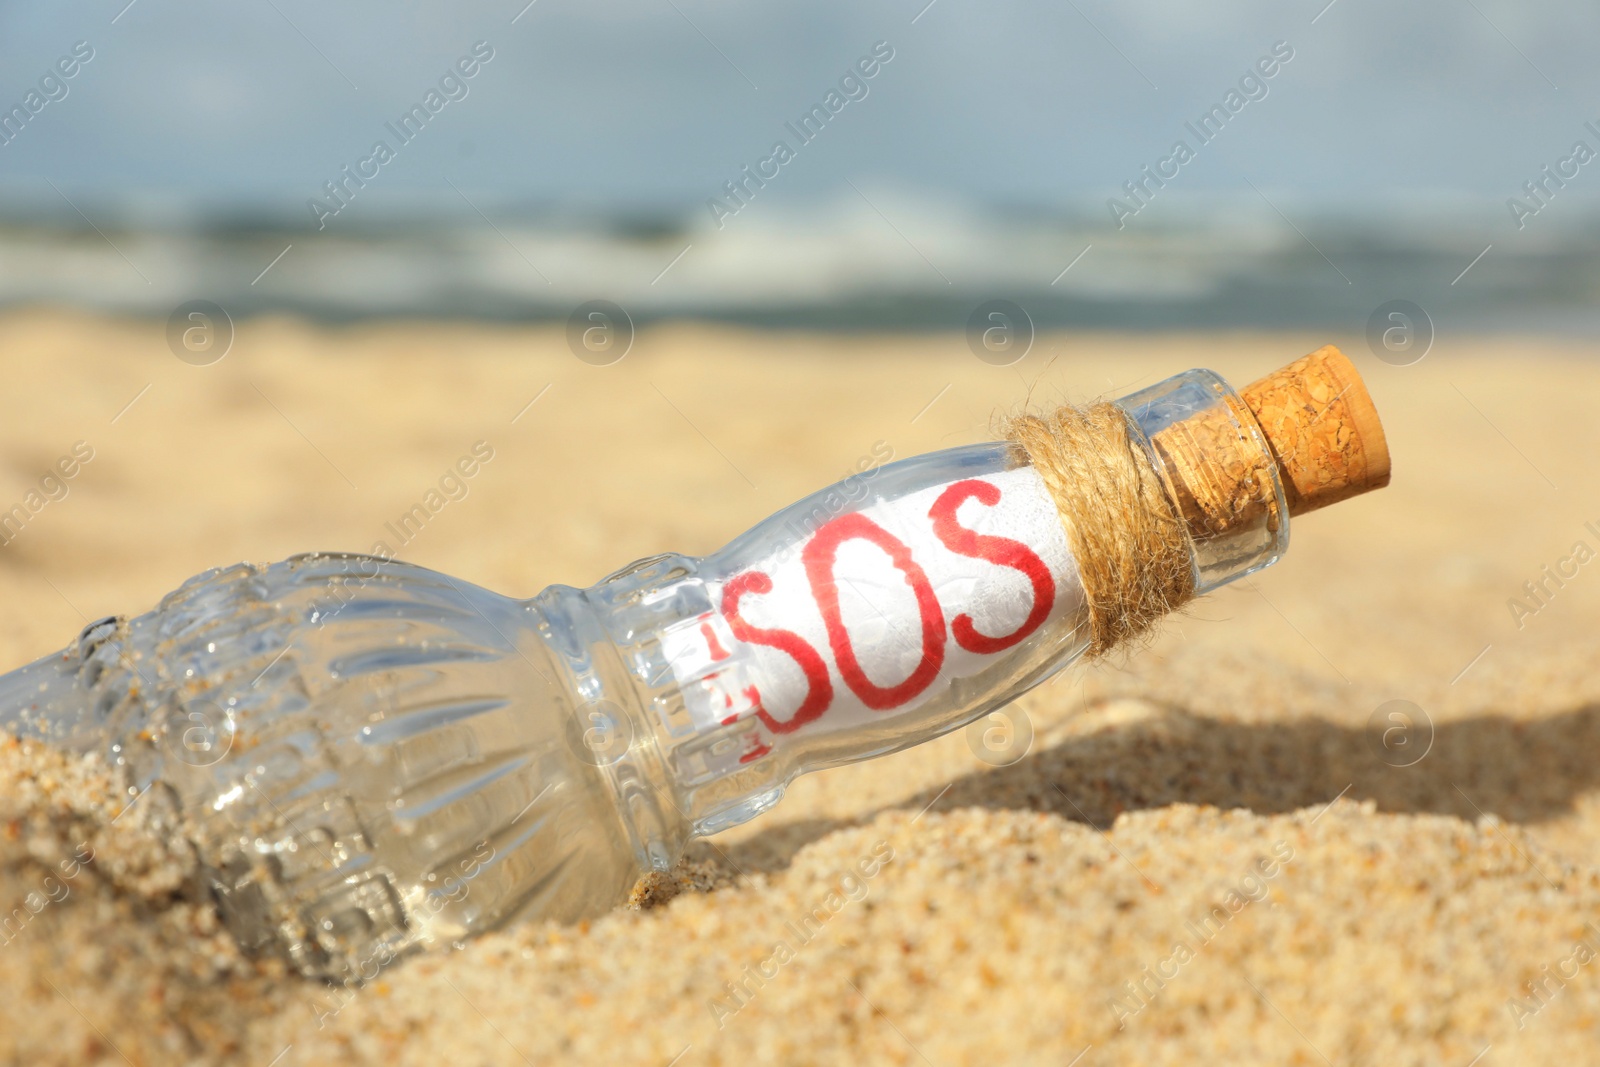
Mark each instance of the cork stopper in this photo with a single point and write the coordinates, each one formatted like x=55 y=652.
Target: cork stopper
x=1323 y=429
x=1236 y=464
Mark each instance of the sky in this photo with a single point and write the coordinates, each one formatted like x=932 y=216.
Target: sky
x=652 y=105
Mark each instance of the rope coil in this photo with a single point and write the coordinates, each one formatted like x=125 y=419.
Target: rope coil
x=1132 y=549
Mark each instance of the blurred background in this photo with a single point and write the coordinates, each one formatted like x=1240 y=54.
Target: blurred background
x=587 y=155
x=270 y=270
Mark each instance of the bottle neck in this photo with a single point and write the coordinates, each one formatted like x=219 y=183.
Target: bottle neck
x=1219 y=473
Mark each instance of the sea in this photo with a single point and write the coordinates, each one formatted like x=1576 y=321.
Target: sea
x=886 y=261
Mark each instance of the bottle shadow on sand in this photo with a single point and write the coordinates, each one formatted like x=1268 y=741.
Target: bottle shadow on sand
x=1523 y=771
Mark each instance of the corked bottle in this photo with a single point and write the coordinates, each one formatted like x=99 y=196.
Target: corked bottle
x=371 y=757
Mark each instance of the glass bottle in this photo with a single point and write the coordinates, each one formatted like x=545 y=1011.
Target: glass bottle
x=370 y=756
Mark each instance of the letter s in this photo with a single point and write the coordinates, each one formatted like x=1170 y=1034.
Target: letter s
x=83 y=50
x=883 y=50
x=1283 y=50
x=819 y=694
x=483 y=50
x=483 y=450
x=1001 y=551
x=83 y=450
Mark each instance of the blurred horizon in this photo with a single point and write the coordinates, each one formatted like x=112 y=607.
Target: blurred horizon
x=1216 y=262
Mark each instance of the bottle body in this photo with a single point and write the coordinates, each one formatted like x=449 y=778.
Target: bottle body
x=367 y=756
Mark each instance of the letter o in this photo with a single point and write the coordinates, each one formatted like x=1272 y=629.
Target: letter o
x=820 y=555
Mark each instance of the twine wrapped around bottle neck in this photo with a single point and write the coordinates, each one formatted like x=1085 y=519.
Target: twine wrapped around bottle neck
x=1303 y=437
x=1132 y=550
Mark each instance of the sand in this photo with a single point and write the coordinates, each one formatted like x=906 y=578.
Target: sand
x=1204 y=854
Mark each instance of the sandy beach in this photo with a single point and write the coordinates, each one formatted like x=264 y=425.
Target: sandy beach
x=1207 y=854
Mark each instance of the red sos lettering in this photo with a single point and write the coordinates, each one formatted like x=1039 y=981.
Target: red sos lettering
x=1001 y=551
x=819 y=691
x=819 y=558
